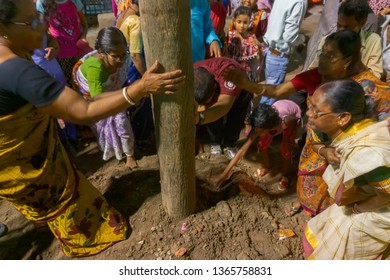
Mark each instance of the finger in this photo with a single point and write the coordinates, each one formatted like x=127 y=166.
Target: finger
x=153 y=68
x=173 y=86
x=170 y=75
x=175 y=81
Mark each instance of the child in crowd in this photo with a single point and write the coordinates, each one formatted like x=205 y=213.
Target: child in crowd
x=244 y=47
x=67 y=24
x=282 y=117
x=106 y=69
x=258 y=23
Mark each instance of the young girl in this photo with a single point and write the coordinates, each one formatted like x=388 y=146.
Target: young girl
x=68 y=25
x=244 y=47
x=282 y=117
x=258 y=20
x=106 y=69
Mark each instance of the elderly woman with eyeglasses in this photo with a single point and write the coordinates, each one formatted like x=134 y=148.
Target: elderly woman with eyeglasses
x=357 y=225
x=36 y=174
x=340 y=59
x=106 y=69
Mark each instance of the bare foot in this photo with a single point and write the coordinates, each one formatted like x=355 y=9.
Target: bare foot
x=131 y=163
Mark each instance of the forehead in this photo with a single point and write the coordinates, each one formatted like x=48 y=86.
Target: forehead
x=119 y=49
x=347 y=21
x=242 y=17
x=318 y=99
x=330 y=47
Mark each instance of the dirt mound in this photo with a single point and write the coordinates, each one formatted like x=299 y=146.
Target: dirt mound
x=239 y=222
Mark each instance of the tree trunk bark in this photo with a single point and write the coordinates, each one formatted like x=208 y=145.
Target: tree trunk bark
x=166 y=31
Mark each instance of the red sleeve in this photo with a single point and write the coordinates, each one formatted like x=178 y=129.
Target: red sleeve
x=308 y=80
x=228 y=88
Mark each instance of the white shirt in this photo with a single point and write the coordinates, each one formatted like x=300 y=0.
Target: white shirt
x=284 y=23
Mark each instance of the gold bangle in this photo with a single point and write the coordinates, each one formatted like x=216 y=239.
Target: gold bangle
x=128 y=99
x=318 y=151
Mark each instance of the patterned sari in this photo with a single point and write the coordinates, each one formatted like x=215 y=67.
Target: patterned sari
x=114 y=134
x=364 y=172
x=312 y=191
x=37 y=176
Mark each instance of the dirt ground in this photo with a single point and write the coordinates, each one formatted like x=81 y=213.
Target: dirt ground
x=241 y=223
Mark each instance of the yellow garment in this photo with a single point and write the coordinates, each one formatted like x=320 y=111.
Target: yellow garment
x=131 y=28
x=370 y=51
x=37 y=176
x=337 y=233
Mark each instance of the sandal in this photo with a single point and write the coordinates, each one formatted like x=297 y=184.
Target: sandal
x=284 y=184
x=293 y=209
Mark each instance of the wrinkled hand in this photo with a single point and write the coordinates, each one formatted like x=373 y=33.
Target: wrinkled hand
x=167 y=83
x=50 y=53
x=235 y=76
x=215 y=49
x=331 y=155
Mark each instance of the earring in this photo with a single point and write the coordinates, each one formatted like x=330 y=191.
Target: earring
x=340 y=124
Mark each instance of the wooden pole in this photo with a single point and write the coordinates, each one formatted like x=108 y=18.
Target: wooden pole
x=166 y=31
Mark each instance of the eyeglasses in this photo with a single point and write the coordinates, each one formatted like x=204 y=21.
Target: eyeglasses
x=329 y=57
x=34 y=24
x=117 y=57
x=316 y=114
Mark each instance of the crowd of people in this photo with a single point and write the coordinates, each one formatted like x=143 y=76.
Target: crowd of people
x=53 y=84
